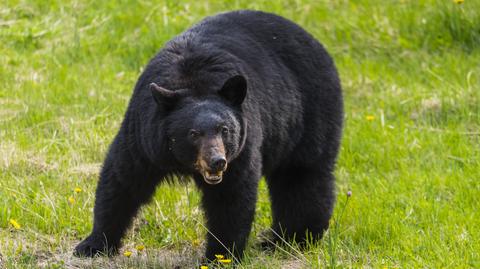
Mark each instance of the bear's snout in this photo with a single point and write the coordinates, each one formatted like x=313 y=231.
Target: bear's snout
x=211 y=160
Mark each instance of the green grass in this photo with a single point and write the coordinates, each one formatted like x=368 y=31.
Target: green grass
x=67 y=71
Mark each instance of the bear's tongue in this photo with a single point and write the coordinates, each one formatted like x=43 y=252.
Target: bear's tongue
x=214 y=178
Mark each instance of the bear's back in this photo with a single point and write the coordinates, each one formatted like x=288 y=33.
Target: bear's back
x=261 y=34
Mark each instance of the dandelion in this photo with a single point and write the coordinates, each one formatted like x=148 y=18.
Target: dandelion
x=219 y=256
x=140 y=247
x=370 y=117
x=77 y=190
x=15 y=224
x=458 y=1
x=349 y=193
x=127 y=253
x=71 y=200
x=203 y=267
x=226 y=261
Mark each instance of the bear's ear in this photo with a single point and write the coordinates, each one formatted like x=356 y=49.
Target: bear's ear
x=162 y=96
x=234 y=90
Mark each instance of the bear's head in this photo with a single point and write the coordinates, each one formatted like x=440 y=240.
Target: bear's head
x=205 y=132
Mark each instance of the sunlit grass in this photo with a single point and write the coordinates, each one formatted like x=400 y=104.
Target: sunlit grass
x=410 y=153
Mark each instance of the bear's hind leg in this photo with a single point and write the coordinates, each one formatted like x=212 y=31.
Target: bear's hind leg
x=302 y=203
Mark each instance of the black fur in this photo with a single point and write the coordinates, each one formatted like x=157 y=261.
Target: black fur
x=287 y=128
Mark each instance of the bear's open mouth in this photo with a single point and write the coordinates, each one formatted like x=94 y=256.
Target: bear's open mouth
x=212 y=178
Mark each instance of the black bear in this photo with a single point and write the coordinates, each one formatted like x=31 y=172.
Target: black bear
x=238 y=96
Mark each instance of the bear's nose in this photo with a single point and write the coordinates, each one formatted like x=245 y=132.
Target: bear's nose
x=218 y=163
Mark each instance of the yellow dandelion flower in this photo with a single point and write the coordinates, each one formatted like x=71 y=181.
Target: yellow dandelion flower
x=15 y=224
x=140 y=247
x=71 y=200
x=203 y=267
x=127 y=253
x=225 y=260
x=370 y=117
x=219 y=256
x=77 y=190
x=458 y=1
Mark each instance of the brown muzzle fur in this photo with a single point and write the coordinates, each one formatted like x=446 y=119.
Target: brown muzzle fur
x=211 y=160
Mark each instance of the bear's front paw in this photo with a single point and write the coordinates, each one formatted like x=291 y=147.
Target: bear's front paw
x=94 y=245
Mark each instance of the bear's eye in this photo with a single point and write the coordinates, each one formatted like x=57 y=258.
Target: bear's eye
x=224 y=130
x=194 y=134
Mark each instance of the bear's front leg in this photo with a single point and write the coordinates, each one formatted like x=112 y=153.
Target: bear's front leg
x=229 y=209
x=125 y=184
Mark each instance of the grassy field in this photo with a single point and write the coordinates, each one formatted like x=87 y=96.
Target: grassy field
x=410 y=154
